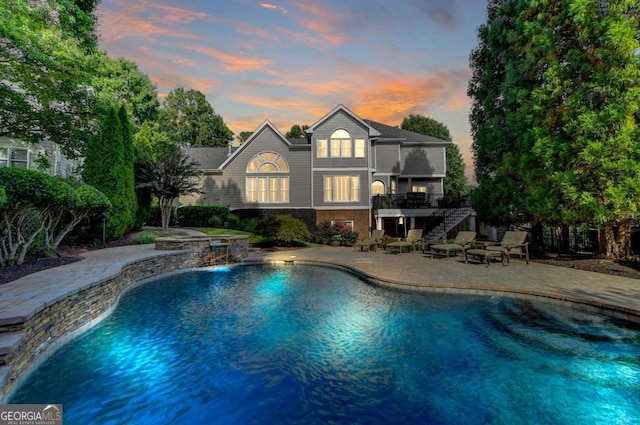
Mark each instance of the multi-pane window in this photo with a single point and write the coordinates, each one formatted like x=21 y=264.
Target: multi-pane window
x=359 y=148
x=19 y=158
x=267 y=188
x=322 y=150
x=422 y=189
x=340 y=144
x=341 y=188
x=14 y=157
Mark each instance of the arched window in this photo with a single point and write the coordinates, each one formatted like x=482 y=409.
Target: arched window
x=377 y=188
x=268 y=162
x=340 y=144
x=267 y=189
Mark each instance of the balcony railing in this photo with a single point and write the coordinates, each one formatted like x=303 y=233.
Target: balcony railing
x=420 y=200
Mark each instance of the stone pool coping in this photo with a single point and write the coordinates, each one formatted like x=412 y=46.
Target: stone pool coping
x=37 y=317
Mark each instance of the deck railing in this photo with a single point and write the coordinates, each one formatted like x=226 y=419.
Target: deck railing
x=420 y=200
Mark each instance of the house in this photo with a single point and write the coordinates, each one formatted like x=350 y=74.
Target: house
x=364 y=173
x=44 y=155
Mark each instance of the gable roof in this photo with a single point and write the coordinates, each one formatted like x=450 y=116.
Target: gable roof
x=373 y=133
x=397 y=133
x=266 y=124
x=209 y=158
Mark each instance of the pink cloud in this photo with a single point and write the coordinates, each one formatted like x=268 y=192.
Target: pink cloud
x=231 y=63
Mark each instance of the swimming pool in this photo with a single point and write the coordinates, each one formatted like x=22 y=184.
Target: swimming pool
x=309 y=344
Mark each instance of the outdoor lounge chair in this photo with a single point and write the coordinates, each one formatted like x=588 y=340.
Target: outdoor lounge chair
x=513 y=242
x=371 y=242
x=414 y=237
x=460 y=243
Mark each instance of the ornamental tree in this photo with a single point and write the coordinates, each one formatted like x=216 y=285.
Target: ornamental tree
x=168 y=176
x=36 y=201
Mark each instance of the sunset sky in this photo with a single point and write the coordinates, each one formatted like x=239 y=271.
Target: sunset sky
x=292 y=61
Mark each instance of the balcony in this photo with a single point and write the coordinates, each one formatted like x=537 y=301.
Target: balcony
x=412 y=200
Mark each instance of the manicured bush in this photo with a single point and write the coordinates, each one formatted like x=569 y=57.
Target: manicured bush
x=283 y=229
x=327 y=232
x=307 y=216
x=232 y=222
x=202 y=215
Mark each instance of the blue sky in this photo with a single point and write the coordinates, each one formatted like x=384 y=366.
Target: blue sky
x=292 y=61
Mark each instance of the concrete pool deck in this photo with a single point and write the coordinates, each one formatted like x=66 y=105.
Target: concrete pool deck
x=33 y=295
x=413 y=270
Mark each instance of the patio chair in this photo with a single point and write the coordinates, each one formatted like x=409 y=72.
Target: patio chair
x=513 y=242
x=414 y=237
x=462 y=241
x=371 y=242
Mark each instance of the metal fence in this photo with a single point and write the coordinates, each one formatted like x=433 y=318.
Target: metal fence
x=581 y=241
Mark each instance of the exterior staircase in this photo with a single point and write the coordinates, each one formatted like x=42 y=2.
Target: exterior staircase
x=448 y=219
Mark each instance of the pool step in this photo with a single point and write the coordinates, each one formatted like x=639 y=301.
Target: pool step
x=8 y=342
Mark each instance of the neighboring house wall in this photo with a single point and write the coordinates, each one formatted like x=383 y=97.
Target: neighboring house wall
x=17 y=153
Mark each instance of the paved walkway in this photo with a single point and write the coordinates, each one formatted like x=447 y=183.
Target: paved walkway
x=25 y=296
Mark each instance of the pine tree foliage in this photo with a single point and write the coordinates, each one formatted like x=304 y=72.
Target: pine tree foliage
x=555 y=115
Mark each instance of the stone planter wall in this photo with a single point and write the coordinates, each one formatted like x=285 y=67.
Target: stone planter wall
x=60 y=321
x=209 y=250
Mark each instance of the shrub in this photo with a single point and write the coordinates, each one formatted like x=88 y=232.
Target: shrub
x=232 y=222
x=216 y=221
x=283 y=229
x=144 y=237
x=326 y=232
x=202 y=216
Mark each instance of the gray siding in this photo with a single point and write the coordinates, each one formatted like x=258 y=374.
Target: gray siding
x=318 y=189
x=230 y=188
x=387 y=158
x=340 y=120
x=422 y=161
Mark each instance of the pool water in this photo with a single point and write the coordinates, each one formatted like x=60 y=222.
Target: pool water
x=305 y=344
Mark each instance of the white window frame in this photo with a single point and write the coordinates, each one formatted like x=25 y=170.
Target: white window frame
x=267 y=189
x=261 y=185
x=4 y=157
x=359 y=148
x=322 y=148
x=341 y=188
x=349 y=223
x=340 y=144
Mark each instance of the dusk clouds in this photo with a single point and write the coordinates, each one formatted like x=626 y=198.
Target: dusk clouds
x=292 y=61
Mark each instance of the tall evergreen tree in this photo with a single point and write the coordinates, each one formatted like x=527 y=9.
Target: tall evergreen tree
x=104 y=169
x=555 y=114
x=128 y=176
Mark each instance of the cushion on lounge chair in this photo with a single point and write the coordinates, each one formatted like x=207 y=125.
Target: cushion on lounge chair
x=371 y=242
x=460 y=243
x=513 y=242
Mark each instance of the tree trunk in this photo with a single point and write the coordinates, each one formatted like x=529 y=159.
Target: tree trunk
x=537 y=237
x=616 y=240
x=165 y=211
